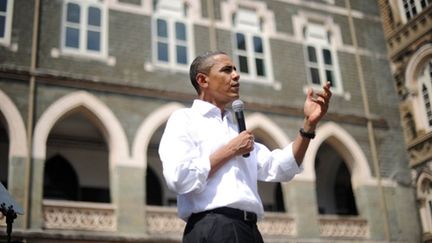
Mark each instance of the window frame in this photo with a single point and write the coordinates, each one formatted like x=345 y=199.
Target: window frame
x=83 y=28
x=249 y=32
x=171 y=19
x=424 y=80
x=418 y=6
x=320 y=45
x=6 y=39
x=424 y=189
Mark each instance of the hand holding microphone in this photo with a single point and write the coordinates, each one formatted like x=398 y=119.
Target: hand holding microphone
x=238 y=107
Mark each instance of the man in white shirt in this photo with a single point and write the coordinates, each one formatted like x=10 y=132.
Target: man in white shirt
x=201 y=152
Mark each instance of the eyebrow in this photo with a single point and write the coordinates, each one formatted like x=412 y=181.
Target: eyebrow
x=232 y=67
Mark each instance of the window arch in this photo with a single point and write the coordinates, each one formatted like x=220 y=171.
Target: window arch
x=424 y=194
x=418 y=81
x=333 y=183
x=425 y=86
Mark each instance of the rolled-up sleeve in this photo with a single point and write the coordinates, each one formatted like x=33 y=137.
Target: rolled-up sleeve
x=185 y=168
x=277 y=165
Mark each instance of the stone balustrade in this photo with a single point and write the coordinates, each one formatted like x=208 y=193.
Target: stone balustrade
x=71 y=215
x=343 y=227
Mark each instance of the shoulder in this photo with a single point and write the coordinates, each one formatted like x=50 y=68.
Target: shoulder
x=182 y=116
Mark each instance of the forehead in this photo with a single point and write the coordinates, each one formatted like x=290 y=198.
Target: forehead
x=221 y=60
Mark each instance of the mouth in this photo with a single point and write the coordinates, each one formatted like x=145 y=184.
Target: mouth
x=235 y=87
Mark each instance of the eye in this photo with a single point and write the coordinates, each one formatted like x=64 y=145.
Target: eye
x=228 y=69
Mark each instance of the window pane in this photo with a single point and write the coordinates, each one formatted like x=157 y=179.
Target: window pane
x=162 y=30
x=243 y=64
x=315 y=75
x=241 y=43
x=3 y=5
x=181 y=54
x=73 y=13
x=260 y=67
x=327 y=57
x=162 y=51
x=258 y=44
x=72 y=37
x=2 y=26
x=93 y=40
x=330 y=77
x=94 y=16
x=311 y=54
x=180 y=31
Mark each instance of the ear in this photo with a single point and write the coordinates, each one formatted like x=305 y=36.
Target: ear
x=202 y=80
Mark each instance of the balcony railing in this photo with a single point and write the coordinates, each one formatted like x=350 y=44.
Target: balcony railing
x=343 y=227
x=70 y=215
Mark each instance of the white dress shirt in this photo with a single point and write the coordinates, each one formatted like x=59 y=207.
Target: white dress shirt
x=190 y=137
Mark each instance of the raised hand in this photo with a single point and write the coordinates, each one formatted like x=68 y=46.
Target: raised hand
x=316 y=105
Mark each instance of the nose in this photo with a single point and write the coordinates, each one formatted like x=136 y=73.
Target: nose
x=235 y=75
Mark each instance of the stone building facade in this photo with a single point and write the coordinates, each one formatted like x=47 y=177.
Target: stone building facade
x=408 y=32
x=86 y=87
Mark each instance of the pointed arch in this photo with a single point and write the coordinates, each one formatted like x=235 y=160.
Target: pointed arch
x=415 y=63
x=346 y=146
x=112 y=130
x=146 y=130
x=423 y=181
x=15 y=125
x=259 y=121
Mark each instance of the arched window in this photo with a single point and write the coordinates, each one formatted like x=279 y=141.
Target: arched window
x=60 y=180
x=425 y=90
x=333 y=183
x=424 y=194
x=77 y=137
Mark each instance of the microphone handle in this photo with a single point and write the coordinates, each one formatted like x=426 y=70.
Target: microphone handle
x=241 y=126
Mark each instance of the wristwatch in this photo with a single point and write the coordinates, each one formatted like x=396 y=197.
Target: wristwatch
x=309 y=135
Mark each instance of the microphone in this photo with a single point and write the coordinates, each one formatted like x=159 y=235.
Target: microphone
x=237 y=107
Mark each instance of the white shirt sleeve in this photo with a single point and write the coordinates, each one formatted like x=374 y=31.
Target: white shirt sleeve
x=277 y=165
x=185 y=168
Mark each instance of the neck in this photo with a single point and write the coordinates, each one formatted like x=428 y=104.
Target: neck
x=213 y=101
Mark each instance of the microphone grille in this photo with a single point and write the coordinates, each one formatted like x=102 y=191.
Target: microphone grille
x=237 y=105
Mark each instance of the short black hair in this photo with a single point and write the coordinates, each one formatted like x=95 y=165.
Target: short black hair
x=201 y=65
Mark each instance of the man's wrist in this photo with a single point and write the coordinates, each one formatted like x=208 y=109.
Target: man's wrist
x=308 y=127
x=308 y=135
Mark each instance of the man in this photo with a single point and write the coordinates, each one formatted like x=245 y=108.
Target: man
x=201 y=152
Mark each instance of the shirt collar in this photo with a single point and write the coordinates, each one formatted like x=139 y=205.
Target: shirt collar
x=208 y=109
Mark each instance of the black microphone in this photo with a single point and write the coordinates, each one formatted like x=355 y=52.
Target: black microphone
x=237 y=107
